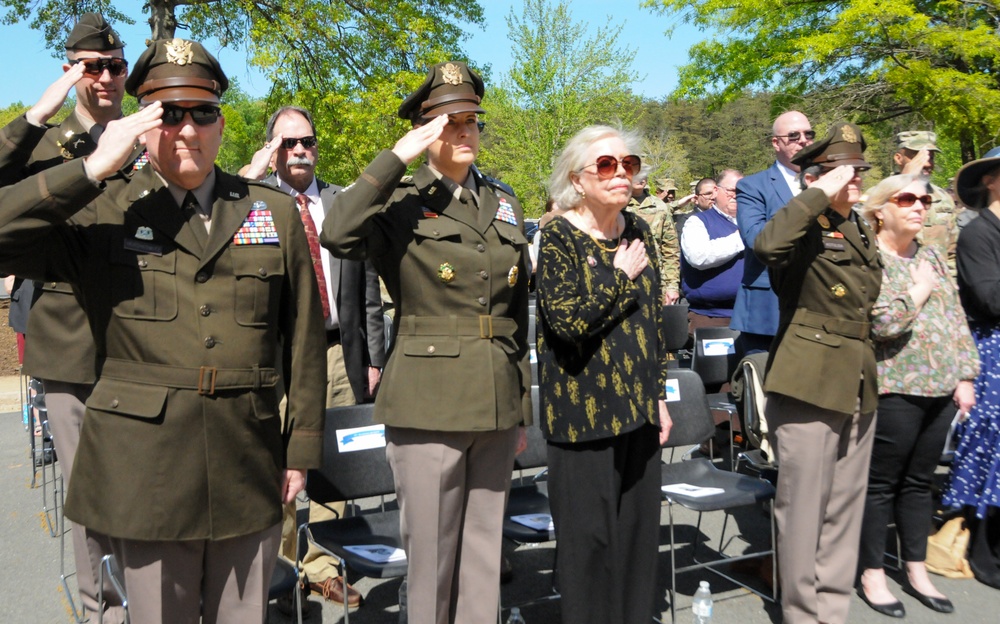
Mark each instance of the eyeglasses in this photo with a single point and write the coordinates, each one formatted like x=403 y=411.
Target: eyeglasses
x=204 y=115
x=905 y=200
x=307 y=142
x=607 y=166
x=796 y=136
x=96 y=66
x=706 y=193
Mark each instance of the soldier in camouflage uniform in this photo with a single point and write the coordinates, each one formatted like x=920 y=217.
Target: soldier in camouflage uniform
x=661 y=222
x=915 y=155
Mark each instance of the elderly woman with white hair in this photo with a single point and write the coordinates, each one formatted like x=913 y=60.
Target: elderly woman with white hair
x=926 y=363
x=602 y=370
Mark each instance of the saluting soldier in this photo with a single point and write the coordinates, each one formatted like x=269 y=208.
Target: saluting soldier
x=191 y=279
x=821 y=377
x=62 y=352
x=450 y=245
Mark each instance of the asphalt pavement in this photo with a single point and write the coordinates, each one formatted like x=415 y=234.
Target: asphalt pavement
x=33 y=592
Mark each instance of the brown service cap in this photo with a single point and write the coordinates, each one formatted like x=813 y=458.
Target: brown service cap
x=917 y=140
x=843 y=145
x=171 y=70
x=93 y=33
x=666 y=184
x=450 y=87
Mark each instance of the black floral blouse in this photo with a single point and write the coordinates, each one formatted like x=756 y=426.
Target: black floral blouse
x=601 y=366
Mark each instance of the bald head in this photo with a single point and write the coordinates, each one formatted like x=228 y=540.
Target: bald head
x=785 y=148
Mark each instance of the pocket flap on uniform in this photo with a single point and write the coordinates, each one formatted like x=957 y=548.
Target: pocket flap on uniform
x=510 y=232
x=818 y=335
x=127 y=398
x=419 y=346
x=260 y=261
x=436 y=229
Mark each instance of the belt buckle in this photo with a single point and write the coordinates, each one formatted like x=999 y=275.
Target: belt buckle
x=210 y=372
x=485 y=326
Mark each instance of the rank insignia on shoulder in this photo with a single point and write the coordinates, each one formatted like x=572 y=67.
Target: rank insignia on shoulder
x=258 y=228
x=144 y=233
x=446 y=272
x=838 y=290
x=823 y=221
x=505 y=212
x=512 y=276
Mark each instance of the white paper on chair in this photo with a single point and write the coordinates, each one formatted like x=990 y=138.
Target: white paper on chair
x=718 y=346
x=378 y=553
x=360 y=438
x=538 y=522
x=693 y=491
x=672 y=390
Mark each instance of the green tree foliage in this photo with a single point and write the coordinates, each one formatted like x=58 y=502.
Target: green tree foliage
x=561 y=80
x=871 y=60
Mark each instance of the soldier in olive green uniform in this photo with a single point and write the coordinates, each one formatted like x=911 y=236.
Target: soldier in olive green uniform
x=61 y=351
x=821 y=375
x=191 y=278
x=915 y=151
x=450 y=245
x=661 y=224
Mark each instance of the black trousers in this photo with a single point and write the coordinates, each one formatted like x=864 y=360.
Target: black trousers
x=909 y=437
x=984 y=546
x=605 y=499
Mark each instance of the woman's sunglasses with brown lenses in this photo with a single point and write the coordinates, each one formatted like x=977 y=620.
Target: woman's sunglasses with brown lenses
x=607 y=166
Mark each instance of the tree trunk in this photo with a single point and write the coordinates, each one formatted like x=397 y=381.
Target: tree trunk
x=162 y=20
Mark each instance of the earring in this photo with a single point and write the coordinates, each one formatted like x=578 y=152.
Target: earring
x=583 y=194
x=879 y=224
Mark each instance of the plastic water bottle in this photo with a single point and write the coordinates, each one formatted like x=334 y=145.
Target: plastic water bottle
x=402 y=602
x=702 y=605
x=515 y=616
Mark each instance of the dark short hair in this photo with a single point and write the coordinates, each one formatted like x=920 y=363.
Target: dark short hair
x=701 y=184
x=287 y=109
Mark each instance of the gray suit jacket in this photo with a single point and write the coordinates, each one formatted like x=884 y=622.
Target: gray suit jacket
x=359 y=307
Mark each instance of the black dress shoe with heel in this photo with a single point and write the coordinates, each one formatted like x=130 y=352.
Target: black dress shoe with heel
x=941 y=605
x=892 y=609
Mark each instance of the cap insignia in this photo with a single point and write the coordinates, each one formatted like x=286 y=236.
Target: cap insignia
x=451 y=74
x=849 y=135
x=179 y=52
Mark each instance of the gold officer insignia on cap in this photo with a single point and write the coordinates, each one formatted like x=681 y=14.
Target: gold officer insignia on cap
x=512 y=276
x=179 y=52
x=823 y=221
x=838 y=290
x=451 y=74
x=446 y=272
x=848 y=133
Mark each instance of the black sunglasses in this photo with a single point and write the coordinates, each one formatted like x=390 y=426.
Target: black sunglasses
x=905 y=200
x=307 y=142
x=96 y=66
x=795 y=136
x=607 y=166
x=204 y=115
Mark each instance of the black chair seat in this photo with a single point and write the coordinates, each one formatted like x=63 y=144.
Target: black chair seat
x=380 y=528
x=738 y=489
x=283 y=579
x=532 y=498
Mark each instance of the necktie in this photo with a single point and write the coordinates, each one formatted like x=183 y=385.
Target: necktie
x=313 y=237
x=192 y=212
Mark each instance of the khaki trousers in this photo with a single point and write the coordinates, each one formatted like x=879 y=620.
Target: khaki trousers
x=452 y=490
x=316 y=564
x=823 y=459
x=208 y=581
x=65 y=403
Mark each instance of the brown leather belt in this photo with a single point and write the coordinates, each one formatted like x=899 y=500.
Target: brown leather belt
x=482 y=326
x=205 y=379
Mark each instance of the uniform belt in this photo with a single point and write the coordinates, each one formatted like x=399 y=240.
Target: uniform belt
x=482 y=326
x=832 y=325
x=205 y=379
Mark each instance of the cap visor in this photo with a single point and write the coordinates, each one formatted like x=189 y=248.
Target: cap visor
x=181 y=94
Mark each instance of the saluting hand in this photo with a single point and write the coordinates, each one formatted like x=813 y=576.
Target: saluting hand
x=118 y=139
x=417 y=140
x=262 y=159
x=833 y=182
x=631 y=258
x=917 y=163
x=54 y=96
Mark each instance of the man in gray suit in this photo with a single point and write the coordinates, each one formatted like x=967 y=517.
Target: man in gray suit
x=353 y=312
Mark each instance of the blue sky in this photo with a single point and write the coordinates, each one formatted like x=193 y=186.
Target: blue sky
x=655 y=67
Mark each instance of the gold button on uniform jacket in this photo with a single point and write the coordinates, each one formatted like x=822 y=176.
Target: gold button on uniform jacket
x=181 y=438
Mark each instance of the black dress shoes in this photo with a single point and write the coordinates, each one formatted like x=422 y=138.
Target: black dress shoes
x=892 y=609
x=941 y=605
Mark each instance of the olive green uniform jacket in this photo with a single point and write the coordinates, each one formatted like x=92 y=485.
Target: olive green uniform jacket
x=181 y=438
x=668 y=247
x=827 y=280
x=62 y=345
x=457 y=275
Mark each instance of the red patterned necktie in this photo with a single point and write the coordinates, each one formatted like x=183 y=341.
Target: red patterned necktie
x=313 y=237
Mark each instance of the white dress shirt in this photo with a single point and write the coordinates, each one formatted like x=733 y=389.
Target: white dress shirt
x=702 y=252
x=791 y=178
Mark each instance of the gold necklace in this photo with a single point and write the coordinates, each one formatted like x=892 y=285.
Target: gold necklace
x=609 y=250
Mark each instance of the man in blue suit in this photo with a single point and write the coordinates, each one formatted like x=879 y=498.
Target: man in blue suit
x=759 y=196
